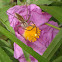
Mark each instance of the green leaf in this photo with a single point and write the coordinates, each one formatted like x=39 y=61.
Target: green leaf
x=56 y=3
x=4 y=57
x=55 y=44
x=2 y=36
x=10 y=53
x=55 y=11
x=3 y=14
x=57 y=54
x=22 y=45
x=1 y=5
x=59 y=59
x=56 y=0
x=39 y=2
x=3 y=43
x=7 y=25
x=4 y=19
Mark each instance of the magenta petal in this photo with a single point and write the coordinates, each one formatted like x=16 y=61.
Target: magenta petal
x=20 y=38
x=13 y=9
x=39 y=18
x=35 y=8
x=46 y=16
x=22 y=59
x=17 y=51
x=55 y=30
x=37 y=46
x=48 y=33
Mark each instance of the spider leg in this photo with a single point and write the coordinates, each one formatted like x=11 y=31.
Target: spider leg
x=18 y=26
x=36 y=30
x=31 y=25
x=29 y=22
x=21 y=34
x=30 y=29
x=35 y=26
x=21 y=26
x=28 y=18
x=27 y=12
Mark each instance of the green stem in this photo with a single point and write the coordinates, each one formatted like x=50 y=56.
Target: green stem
x=52 y=26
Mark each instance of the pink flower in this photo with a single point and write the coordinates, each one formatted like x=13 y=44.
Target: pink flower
x=38 y=41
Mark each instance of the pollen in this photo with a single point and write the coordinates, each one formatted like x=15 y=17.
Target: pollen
x=32 y=33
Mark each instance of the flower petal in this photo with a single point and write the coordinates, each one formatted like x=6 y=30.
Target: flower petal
x=17 y=51
x=35 y=8
x=22 y=59
x=48 y=33
x=37 y=46
x=39 y=18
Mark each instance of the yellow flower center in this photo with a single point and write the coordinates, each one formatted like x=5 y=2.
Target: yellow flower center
x=31 y=33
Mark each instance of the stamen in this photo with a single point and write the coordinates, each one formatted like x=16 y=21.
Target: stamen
x=33 y=34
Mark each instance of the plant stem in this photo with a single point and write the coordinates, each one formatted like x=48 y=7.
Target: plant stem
x=52 y=26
